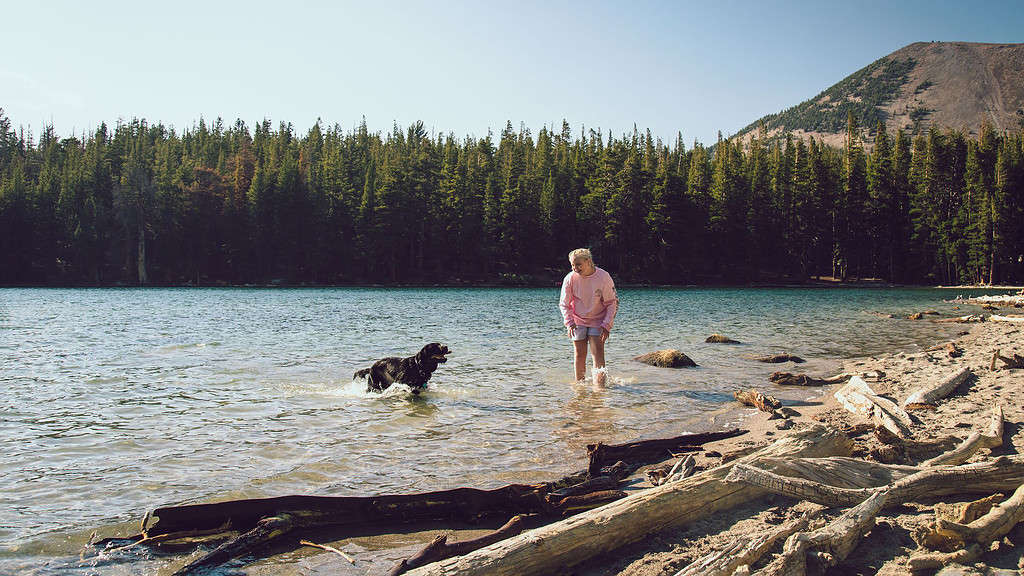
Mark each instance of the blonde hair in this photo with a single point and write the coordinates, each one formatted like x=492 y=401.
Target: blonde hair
x=580 y=254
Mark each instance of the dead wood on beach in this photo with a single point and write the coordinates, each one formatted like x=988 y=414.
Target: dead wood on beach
x=252 y=524
x=649 y=451
x=829 y=545
x=789 y=379
x=744 y=552
x=859 y=398
x=440 y=548
x=970 y=540
x=555 y=547
x=762 y=402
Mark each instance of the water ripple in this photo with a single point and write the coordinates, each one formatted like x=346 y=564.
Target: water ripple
x=121 y=400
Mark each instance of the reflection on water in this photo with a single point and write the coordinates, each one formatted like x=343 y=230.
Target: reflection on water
x=119 y=401
x=588 y=418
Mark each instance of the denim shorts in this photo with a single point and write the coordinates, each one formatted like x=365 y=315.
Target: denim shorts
x=582 y=332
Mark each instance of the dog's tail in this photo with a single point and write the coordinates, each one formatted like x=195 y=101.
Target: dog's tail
x=361 y=373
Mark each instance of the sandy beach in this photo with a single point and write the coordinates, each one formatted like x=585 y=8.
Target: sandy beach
x=886 y=548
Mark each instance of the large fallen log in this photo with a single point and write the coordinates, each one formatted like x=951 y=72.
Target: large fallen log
x=744 y=552
x=246 y=522
x=829 y=545
x=930 y=394
x=974 y=537
x=552 y=548
x=990 y=438
x=649 y=451
x=843 y=472
x=466 y=504
x=857 y=397
x=1002 y=474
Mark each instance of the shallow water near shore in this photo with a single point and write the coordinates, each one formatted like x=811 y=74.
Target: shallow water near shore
x=117 y=401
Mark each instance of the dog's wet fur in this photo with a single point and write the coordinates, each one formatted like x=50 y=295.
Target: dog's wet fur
x=413 y=371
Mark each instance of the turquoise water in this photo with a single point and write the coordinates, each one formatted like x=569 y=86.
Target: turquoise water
x=116 y=401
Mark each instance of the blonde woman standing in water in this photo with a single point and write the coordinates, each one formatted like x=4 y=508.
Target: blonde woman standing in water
x=588 y=304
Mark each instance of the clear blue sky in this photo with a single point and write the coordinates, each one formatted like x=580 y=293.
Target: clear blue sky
x=462 y=67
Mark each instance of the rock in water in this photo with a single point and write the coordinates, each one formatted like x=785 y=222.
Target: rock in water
x=779 y=358
x=719 y=339
x=666 y=359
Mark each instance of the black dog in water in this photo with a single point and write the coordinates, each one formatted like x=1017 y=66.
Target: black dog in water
x=413 y=371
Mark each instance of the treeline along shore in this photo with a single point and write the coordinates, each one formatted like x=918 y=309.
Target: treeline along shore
x=143 y=204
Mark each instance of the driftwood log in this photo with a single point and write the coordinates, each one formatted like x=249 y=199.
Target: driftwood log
x=829 y=545
x=1009 y=363
x=440 y=548
x=894 y=449
x=859 y=398
x=762 y=402
x=555 y=547
x=973 y=538
x=253 y=523
x=964 y=319
x=647 y=451
x=951 y=349
x=990 y=438
x=930 y=394
x=682 y=468
x=266 y=530
x=744 y=552
x=1001 y=474
x=788 y=379
x=998 y=318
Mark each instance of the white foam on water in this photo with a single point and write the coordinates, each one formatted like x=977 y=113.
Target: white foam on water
x=609 y=379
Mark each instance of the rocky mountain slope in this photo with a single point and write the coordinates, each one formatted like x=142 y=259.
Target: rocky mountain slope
x=944 y=84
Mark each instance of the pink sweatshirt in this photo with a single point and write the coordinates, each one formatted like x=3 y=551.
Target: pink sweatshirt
x=589 y=300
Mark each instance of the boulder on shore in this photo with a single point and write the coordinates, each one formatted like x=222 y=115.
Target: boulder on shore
x=719 y=339
x=666 y=359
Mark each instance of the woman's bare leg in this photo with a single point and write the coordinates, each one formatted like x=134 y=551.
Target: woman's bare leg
x=579 y=359
x=597 y=350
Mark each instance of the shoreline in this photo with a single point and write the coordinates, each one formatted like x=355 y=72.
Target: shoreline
x=532 y=283
x=813 y=404
x=887 y=548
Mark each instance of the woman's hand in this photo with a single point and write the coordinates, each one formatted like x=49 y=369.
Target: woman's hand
x=604 y=334
x=571 y=330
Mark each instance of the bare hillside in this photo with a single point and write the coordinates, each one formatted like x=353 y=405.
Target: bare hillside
x=944 y=84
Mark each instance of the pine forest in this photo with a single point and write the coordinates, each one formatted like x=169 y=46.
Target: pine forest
x=229 y=205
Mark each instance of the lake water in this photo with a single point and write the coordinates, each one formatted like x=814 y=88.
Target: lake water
x=116 y=401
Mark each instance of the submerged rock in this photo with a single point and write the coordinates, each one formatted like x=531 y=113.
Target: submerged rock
x=719 y=339
x=666 y=359
x=779 y=358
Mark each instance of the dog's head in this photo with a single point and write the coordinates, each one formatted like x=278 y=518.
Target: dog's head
x=434 y=353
